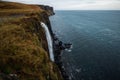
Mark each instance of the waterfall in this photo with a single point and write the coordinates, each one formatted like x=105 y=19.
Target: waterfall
x=49 y=40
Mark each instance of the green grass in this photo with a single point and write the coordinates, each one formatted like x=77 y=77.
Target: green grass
x=11 y=9
x=23 y=47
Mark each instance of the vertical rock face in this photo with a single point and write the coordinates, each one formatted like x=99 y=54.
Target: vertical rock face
x=23 y=46
x=49 y=9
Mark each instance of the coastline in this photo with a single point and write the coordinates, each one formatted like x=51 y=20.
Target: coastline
x=58 y=47
x=26 y=56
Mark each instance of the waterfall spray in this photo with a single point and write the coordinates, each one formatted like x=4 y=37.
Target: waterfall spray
x=49 y=41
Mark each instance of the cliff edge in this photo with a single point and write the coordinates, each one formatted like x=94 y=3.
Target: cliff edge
x=23 y=45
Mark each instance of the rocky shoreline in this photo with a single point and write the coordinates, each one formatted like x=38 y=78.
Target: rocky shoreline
x=26 y=56
x=24 y=51
x=59 y=46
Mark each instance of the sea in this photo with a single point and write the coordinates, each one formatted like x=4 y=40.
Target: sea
x=95 y=36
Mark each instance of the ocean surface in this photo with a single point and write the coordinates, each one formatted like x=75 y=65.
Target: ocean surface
x=95 y=36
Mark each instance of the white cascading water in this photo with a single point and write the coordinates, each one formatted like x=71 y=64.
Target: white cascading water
x=49 y=40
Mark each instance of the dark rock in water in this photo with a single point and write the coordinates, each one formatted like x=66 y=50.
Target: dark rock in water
x=55 y=38
x=68 y=45
x=62 y=48
x=58 y=47
x=60 y=43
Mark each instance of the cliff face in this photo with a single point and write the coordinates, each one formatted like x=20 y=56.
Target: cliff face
x=23 y=45
x=49 y=9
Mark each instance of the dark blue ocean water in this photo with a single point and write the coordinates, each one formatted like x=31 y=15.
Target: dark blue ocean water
x=95 y=36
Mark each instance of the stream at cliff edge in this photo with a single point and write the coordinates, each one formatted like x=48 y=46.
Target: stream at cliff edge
x=95 y=36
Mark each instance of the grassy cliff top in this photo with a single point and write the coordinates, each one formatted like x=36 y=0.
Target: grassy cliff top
x=23 y=45
x=9 y=8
